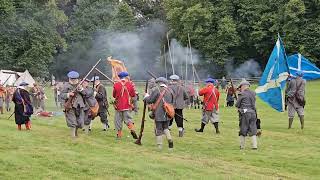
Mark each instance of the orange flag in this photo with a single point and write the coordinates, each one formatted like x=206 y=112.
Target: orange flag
x=117 y=67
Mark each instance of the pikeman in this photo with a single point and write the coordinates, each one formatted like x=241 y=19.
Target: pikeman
x=210 y=105
x=123 y=92
x=74 y=103
x=2 y=97
x=246 y=105
x=180 y=96
x=157 y=97
x=23 y=108
x=296 y=98
x=101 y=96
x=90 y=102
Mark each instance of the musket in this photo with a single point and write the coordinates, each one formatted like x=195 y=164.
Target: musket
x=138 y=141
x=234 y=90
x=68 y=104
x=104 y=75
x=154 y=76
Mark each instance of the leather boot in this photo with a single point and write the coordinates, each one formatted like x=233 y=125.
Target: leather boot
x=216 y=126
x=302 y=121
x=290 y=123
x=134 y=135
x=19 y=127
x=201 y=129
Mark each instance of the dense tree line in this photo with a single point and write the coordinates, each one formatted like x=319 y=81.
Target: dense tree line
x=50 y=36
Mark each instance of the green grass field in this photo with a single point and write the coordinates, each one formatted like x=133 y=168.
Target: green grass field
x=47 y=151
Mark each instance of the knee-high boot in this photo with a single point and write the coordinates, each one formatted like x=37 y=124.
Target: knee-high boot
x=216 y=126
x=202 y=127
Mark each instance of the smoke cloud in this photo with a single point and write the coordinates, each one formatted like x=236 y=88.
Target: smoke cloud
x=247 y=69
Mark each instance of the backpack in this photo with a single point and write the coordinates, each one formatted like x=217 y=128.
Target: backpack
x=168 y=108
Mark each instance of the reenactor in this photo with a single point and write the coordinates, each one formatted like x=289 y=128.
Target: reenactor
x=123 y=92
x=246 y=105
x=101 y=96
x=210 y=105
x=74 y=103
x=295 y=93
x=157 y=97
x=179 y=102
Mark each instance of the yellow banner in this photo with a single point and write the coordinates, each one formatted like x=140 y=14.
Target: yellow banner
x=117 y=67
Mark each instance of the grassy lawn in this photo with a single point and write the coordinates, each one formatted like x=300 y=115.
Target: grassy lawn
x=47 y=151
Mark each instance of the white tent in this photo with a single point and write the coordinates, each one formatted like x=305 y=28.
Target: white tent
x=13 y=78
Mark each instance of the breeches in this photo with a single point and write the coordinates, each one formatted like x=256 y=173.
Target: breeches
x=211 y=116
x=122 y=117
x=292 y=110
x=248 y=124
x=178 y=118
x=75 y=118
x=160 y=127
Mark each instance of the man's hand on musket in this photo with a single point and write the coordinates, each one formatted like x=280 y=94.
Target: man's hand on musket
x=71 y=94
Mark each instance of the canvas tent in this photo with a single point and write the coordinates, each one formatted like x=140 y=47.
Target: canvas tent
x=15 y=78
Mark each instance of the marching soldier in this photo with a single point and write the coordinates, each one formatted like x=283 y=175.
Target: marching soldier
x=179 y=99
x=246 y=105
x=74 y=103
x=296 y=98
x=90 y=102
x=123 y=92
x=160 y=117
x=101 y=97
x=210 y=105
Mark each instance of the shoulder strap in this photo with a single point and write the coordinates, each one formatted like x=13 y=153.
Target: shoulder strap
x=155 y=106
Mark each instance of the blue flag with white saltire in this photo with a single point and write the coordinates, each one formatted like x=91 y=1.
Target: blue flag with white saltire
x=297 y=62
x=273 y=80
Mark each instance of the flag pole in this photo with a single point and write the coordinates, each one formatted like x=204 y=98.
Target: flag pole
x=165 y=60
x=170 y=53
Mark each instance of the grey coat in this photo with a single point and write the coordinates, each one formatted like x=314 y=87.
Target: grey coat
x=160 y=114
x=247 y=100
x=78 y=100
x=296 y=85
x=180 y=96
x=101 y=97
x=88 y=96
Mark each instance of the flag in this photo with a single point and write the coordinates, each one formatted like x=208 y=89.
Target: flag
x=297 y=62
x=117 y=67
x=274 y=77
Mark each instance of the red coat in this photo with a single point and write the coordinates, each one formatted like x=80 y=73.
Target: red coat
x=209 y=105
x=123 y=91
